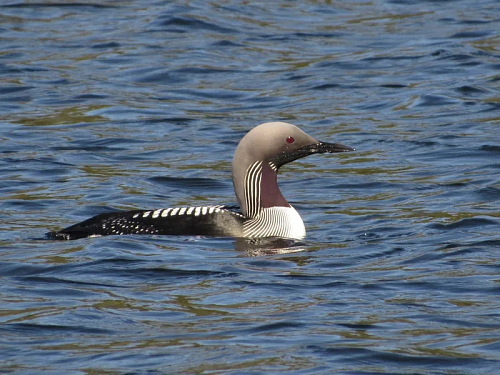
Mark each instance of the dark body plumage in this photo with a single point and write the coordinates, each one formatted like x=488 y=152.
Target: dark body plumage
x=217 y=221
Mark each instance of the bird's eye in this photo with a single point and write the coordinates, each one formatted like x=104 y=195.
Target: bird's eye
x=290 y=140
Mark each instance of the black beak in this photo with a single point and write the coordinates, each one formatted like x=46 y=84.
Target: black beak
x=329 y=148
x=315 y=148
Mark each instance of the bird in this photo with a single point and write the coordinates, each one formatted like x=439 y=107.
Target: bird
x=263 y=210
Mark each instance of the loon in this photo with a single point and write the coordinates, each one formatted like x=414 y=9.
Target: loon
x=264 y=212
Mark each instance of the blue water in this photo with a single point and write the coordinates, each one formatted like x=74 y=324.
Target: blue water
x=140 y=104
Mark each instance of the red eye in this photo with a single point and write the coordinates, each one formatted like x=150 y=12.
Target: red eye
x=290 y=140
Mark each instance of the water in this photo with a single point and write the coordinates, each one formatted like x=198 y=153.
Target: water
x=140 y=104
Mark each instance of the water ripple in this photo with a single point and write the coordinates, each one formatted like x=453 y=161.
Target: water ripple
x=137 y=104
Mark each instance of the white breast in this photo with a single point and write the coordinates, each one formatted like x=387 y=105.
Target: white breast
x=276 y=222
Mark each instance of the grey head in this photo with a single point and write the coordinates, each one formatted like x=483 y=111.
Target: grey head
x=259 y=155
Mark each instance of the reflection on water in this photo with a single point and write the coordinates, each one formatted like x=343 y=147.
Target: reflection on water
x=268 y=246
x=137 y=105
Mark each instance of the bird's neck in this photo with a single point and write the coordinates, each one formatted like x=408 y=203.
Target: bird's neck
x=261 y=189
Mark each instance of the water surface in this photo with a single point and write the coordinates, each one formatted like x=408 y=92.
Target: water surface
x=139 y=104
